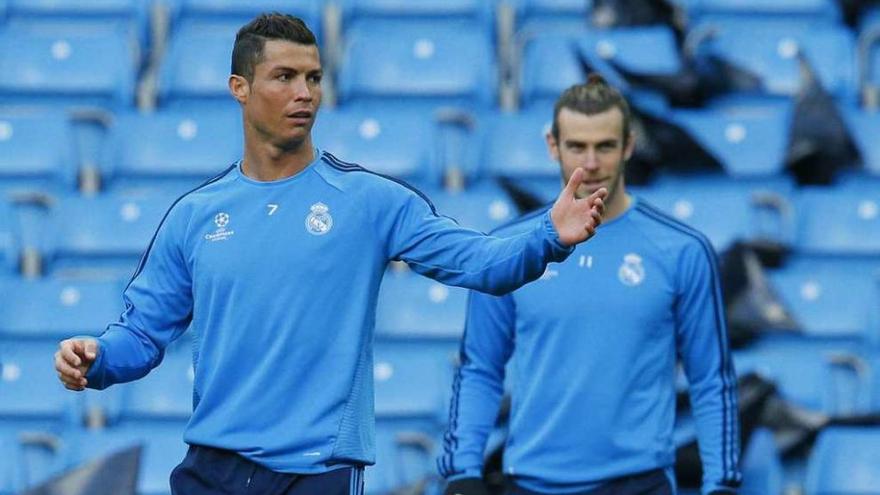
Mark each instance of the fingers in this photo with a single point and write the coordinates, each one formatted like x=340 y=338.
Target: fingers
x=573 y=182
x=69 y=365
x=91 y=350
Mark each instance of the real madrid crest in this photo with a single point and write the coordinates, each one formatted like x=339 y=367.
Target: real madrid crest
x=319 y=221
x=631 y=272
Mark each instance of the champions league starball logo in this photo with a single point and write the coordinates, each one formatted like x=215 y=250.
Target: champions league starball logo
x=221 y=219
x=319 y=221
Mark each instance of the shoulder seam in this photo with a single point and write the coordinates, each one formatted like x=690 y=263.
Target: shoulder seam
x=343 y=166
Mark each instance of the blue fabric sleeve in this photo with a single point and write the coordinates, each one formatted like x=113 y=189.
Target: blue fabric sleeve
x=703 y=347
x=158 y=308
x=479 y=384
x=437 y=247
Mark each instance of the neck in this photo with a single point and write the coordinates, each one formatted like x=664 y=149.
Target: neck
x=265 y=161
x=617 y=204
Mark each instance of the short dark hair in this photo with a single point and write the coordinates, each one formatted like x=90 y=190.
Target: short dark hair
x=594 y=96
x=247 y=51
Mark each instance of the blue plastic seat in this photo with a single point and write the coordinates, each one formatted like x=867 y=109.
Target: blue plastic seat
x=844 y=460
x=166 y=393
x=551 y=15
x=176 y=148
x=482 y=206
x=67 y=69
x=825 y=375
x=405 y=453
x=839 y=220
x=103 y=236
x=417 y=63
x=748 y=141
x=162 y=441
x=412 y=378
x=761 y=465
x=59 y=309
x=9 y=242
x=549 y=66
x=32 y=394
x=625 y=46
x=828 y=296
x=771 y=47
x=819 y=11
x=36 y=152
x=701 y=201
x=864 y=127
x=130 y=16
x=195 y=70
x=414 y=306
x=400 y=144
x=239 y=13
x=435 y=10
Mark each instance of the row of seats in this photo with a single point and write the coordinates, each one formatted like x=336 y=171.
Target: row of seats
x=111 y=231
x=40 y=149
x=432 y=60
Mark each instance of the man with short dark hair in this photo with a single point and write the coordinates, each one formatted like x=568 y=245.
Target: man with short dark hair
x=274 y=265
x=593 y=343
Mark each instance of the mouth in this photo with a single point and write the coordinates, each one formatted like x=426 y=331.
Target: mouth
x=301 y=117
x=594 y=182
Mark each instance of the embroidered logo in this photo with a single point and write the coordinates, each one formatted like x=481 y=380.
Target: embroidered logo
x=221 y=220
x=631 y=272
x=319 y=221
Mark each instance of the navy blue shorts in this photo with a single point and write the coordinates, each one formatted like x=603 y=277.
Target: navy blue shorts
x=207 y=470
x=652 y=482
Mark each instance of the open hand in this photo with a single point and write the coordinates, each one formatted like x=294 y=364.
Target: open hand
x=576 y=219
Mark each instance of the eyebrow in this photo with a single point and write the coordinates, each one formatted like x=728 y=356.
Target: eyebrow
x=570 y=142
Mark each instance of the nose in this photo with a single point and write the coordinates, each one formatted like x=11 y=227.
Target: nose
x=591 y=161
x=301 y=91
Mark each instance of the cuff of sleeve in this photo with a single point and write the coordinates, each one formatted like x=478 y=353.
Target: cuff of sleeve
x=95 y=375
x=558 y=250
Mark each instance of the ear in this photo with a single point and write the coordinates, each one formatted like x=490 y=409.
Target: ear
x=630 y=146
x=552 y=145
x=239 y=87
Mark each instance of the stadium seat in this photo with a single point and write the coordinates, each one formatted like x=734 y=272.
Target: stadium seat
x=417 y=63
x=103 y=236
x=195 y=70
x=482 y=206
x=9 y=242
x=761 y=465
x=749 y=141
x=435 y=10
x=828 y=296
x=844 y=460
x=514 y=148
x=551 y=15
x=750 y=210
x=770 y=52
x=129 y=16
x=166 y=393
x=864 y=127
x=68 y=69
x=172 y=151
x=37 y=152
x=820 y=375
x=550 y=65
x=57 y=309
x=163 y=444
x=818 y=11
x=839 y=220
x=626 y=48
x=238 y=13
x=400 y=144
x=405 y=453
x=33 y=397
x=414 y=306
